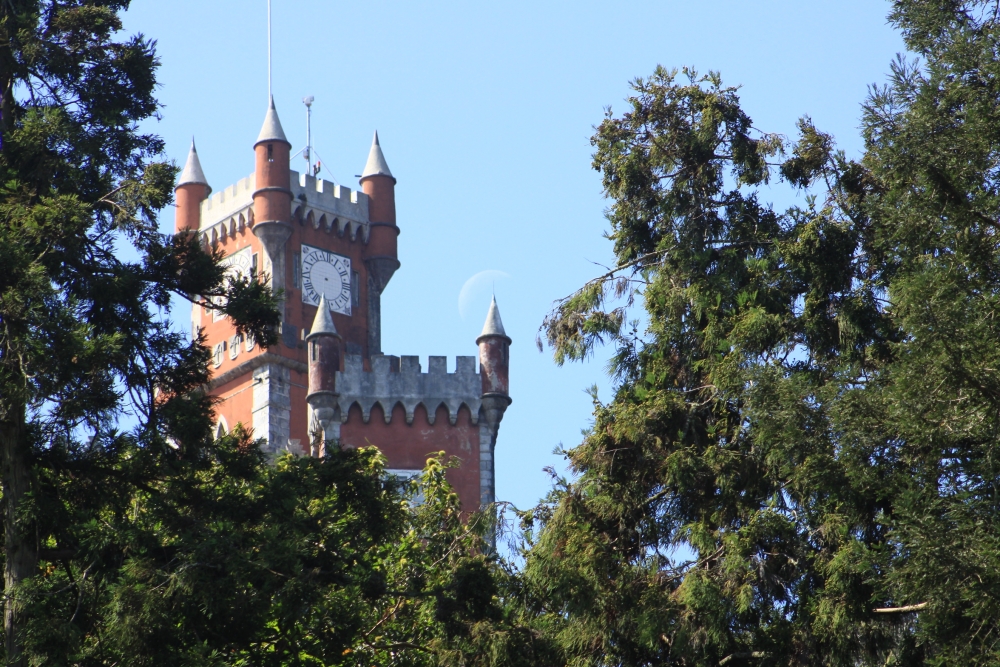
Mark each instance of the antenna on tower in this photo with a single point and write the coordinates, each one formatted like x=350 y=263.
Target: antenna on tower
x=269 y=51
x=307 y=153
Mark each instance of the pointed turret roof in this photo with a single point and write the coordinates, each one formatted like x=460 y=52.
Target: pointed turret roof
x=192 y=172
x=323 y=322
x=376 y=165
x=493 y=326
x=271 y=131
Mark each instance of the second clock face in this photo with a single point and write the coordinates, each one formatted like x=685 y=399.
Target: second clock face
x=328 y=274
x=237 y=265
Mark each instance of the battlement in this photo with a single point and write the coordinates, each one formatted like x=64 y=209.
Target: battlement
x=315 y=201
x=328 y=206
x=400 y=380
x=230 y=201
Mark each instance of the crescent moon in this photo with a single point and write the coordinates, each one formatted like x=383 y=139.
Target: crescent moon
x=476 y=286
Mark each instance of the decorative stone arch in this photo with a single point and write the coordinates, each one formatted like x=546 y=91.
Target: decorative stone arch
x=432 y=410
x=221 y=427
x=311 y=220
x=403 y=408
x=410 y=406
x=386 y=407
x=468 y=408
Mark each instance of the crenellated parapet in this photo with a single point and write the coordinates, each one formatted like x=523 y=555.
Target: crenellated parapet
x=321 y=204
x=400 y=380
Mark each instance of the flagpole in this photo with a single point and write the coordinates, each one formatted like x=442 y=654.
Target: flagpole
x=269 y=51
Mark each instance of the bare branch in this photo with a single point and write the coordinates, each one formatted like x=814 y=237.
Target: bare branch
x=737 y=656
x=901 y=610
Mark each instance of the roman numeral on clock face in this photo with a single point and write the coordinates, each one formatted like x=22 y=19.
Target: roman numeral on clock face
x=328 y=274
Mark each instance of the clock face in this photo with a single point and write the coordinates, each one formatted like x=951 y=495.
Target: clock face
x=328 y=274
x=237 y=265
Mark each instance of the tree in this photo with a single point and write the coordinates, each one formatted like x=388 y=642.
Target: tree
x=233 y=559
x=82 y=339
x=449 y=598
x=799 y=463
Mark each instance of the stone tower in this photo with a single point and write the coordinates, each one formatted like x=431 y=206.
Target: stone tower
x=333 y=252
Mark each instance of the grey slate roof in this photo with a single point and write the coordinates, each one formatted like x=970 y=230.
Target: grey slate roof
x=192 y=172
x=323 y=322
x=271 y=131
x=376 y=165
x=493 y=326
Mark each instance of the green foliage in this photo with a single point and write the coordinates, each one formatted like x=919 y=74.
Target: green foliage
x=85 y=286
x=802 y=442
x=226 y=560
x=448 y=599
x=232 y=559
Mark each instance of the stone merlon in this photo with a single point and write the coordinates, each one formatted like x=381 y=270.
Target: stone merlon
x=395 y=380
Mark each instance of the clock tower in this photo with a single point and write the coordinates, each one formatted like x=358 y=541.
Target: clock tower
x=331 y=251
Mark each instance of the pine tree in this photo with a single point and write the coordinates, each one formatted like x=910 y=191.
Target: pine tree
x=83 y=336
x=799 y=464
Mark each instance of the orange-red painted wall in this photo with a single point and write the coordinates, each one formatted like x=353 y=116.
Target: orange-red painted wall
x=408 y=445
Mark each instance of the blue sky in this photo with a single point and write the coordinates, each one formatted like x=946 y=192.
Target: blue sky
x=484 y=111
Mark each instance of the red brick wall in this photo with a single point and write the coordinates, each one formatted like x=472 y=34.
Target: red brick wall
x=407 y=445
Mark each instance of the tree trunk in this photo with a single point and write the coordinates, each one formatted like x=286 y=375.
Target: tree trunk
x=20 y=549
x=6 y=74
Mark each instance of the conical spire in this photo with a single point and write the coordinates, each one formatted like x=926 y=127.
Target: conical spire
x=376 y=165
x=493 y=326
x=323 y=322
x=271 y=131
x=192 y=172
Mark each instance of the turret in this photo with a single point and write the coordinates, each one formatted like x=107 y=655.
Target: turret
x=272 y=198
x=379 y=184
x=494 y=365
x=494 y=354
x=324 y=351
x=380 y=254
x=323 y=346
x=191 y=190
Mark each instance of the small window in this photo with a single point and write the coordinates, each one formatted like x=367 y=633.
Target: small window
x=270 y=153
x=296 y=269
x=355 y=289
x=312 y=347
x=217 y=352
x=407 y=481
x=253 y=266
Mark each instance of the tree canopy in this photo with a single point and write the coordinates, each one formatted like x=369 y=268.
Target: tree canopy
x=86 y=282
x=799 y=463
x=798 y=466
